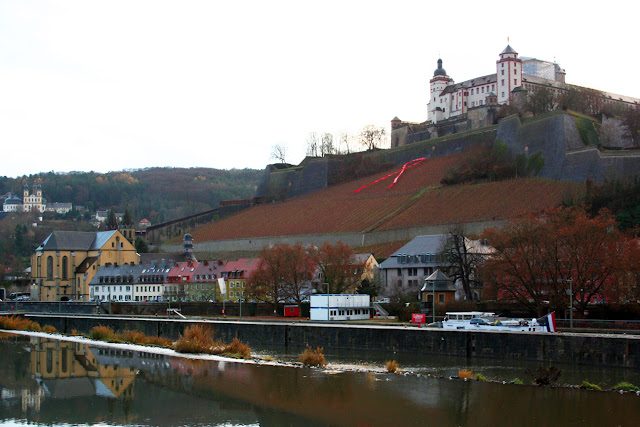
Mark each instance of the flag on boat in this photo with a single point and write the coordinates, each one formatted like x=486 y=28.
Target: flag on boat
x=549 y=321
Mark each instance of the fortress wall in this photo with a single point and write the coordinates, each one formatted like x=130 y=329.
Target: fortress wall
x=350 y=239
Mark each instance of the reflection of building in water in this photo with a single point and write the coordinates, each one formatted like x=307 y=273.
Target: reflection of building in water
x=68 y=369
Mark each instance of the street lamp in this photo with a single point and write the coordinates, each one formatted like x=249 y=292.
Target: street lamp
x=328 y=302
x=433 y=287
x=570 y=303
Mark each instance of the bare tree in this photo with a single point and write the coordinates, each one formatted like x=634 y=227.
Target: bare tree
x=326 y=145
x=372 y=137
x=463 y=256
x=312 y=144
x=345 y=141
x=279 y=152
x=540 y=100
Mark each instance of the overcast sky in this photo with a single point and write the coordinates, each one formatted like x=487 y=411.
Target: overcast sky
x=108 y=85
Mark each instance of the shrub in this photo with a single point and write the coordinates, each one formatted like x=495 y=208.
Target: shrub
x=101 y=333
x=587 y=385
x=546 y=376
x=238 y=348
x=479 y=377
x=18 y=323
x=49 y=329
x=465 y=374
x=159 y=342
x=195 y=339
x=517 y=381
x=133 y=337
x=625 y=386
x=391 y=366
x=75 y=333
x=312 y=357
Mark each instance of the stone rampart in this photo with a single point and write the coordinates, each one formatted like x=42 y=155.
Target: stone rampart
x=256 y=244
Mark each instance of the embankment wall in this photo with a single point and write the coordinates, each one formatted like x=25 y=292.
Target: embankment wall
x=605 y=350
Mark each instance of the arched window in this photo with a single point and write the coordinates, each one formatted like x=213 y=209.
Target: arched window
x=65 y=267
x=49 y=268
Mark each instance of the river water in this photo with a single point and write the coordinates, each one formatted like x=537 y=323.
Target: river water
x=59 y=383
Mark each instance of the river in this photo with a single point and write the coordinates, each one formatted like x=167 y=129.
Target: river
x=59 y=383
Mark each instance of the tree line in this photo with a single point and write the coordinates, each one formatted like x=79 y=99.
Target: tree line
x=321 y=144
x=291 y=273
x=159 y=194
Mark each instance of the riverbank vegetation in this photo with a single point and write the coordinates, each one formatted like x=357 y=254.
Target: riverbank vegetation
x=198 y=339
x=311 y=357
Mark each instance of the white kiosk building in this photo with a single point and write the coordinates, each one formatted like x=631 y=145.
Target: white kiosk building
x=340 y=307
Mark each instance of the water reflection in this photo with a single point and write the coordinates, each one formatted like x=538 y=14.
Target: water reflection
x=53 y=382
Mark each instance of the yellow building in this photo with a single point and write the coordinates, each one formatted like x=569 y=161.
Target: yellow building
x=71 y=369
x=33 y=202
x=64 y=264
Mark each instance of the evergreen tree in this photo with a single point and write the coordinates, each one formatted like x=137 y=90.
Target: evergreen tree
x=126 y=220
x=141 y=246
x=112 y=222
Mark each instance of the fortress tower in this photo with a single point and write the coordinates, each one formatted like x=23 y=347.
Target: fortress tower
x=508 y=74
x=437 y=107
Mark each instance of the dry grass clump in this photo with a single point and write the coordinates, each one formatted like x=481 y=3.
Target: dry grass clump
x=311 y=357
x=102 y=333
x=195 y=339
x=199 y=339
x=159 y=342
x=465 y=374
x=391 y=366
x=133 y=337
x=237 y=348
x=18 y=323
x=49 y=329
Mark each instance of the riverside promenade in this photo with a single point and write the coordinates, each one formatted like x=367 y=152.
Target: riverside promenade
x=613 y=350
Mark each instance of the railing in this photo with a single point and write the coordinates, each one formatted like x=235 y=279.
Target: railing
x=599 y=324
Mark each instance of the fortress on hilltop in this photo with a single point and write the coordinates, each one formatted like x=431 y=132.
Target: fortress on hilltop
x=458 y=107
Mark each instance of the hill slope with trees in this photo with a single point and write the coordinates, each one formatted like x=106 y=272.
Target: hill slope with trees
x=159 y=194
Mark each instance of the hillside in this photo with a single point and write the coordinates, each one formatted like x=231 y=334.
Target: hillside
x=417 y=200
x=160 y=194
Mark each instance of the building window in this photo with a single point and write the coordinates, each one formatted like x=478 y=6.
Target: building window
x=503 y=94
x=503 y=72
x=502 y=82
x=65 y=267
x=515 y=82
x=441 y=298
x=49 y=268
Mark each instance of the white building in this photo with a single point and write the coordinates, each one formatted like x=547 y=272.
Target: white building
x=448 y=99
x=58 y=207
x=12 y=204
x=340 y=307
x=113 y=283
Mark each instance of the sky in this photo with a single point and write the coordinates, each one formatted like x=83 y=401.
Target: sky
x=112 y=85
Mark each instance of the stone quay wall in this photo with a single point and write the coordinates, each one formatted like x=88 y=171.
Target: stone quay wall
x=587 y=349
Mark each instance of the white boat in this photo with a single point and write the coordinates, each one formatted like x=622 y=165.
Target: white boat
x=482 y=321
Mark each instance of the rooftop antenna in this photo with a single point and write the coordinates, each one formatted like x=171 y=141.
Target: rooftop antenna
x=507 y=39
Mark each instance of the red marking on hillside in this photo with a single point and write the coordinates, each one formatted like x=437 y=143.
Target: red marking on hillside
x=406 y=166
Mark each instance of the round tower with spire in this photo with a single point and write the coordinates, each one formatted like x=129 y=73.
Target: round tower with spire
x=440 y=80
